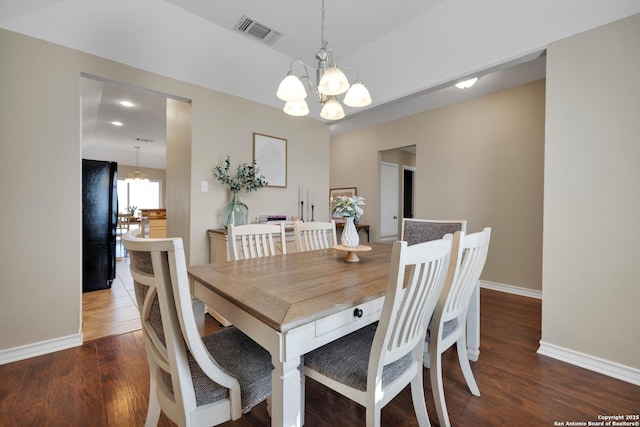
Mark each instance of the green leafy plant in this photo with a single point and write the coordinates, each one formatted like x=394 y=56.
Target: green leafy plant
x=346 y=206
x=247 y=176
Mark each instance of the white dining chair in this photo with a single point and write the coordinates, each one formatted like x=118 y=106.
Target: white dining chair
x=310 y=236
x=256 y=241
x=122 y=228
x=372 y=365
x=423 y=230
x=448 y=325
x=195 y=381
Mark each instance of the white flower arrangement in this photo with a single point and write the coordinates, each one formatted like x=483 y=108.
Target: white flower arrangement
x=346 y=206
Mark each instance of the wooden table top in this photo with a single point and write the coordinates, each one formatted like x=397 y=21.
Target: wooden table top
x=286 y=291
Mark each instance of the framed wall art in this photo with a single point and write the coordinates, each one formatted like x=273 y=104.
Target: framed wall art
x=270 y=154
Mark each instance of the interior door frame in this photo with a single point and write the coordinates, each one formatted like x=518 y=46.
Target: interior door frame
x=397 y=201
x=413 y=189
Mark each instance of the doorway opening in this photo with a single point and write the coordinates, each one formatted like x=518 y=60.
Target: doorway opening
x=145 y=123
x=408 y=190
x=397 y=189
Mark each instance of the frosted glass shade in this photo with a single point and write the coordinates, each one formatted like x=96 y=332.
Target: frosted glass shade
x=333 y=82
x=296 y=108
x=291 y=89
x=332 y=110
x=357 y=96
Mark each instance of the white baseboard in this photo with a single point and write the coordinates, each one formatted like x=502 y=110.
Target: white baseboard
x=39 y=348
x=388 y=239
x=525 y=292
x=592 y=363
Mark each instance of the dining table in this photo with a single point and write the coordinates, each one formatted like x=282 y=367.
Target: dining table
x=293 y=303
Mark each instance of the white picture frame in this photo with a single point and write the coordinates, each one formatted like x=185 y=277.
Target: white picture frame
x=270 y=155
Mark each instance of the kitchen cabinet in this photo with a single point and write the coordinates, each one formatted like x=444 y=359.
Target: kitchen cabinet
x=156 y=221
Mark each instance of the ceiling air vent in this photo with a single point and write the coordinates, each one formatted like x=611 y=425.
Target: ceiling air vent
x=255 y=29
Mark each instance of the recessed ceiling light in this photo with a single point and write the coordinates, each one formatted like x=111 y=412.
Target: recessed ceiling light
x=116 y=123
x=126 y=103
x=467 y=83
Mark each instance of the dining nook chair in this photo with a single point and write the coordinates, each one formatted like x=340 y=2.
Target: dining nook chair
x=256 y=241
x=194 y=380
x=423 y=230
x=372 y=365
x=311 y=236
x=122 y=228
x=252 y=241
x=448 y=325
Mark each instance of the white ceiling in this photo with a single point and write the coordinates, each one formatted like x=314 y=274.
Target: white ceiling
x=144 y=124
x=408 y=56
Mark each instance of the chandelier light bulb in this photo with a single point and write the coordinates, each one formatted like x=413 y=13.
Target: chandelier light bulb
x=357 y=96
x=332 y=110
x=296 y=108
x=291 y=89
x=333 y=82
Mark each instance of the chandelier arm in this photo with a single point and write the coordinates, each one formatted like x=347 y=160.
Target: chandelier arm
x=298 y=61
x=310 y=85
x=305 y=77
x=347 y=67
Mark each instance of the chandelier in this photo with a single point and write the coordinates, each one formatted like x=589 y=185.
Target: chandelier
x=330 y=81
x=137 y=177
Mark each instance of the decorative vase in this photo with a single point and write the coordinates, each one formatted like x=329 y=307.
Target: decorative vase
x=236 y=212
x=349 y=236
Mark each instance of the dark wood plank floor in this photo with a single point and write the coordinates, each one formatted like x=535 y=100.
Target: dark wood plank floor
x=105 y=383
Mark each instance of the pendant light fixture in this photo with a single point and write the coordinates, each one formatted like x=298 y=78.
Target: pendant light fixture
x=331 y=81
x=137 y=177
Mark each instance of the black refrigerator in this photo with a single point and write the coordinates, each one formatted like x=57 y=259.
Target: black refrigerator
x=99 y=220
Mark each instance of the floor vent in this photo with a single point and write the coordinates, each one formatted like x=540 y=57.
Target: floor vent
x=255 y=29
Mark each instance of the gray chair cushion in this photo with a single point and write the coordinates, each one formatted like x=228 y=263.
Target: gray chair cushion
x=241 y=357
x=346 y=360
x=448 y=327
x=233 y=352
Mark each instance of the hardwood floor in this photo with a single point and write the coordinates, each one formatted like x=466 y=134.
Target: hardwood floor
x=105 y=383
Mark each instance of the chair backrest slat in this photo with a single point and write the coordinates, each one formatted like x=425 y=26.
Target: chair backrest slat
x=469 y=255
x=255 y=241
x=311 y=236
x=409 y=301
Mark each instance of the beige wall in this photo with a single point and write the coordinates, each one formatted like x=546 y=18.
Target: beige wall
x=480 y=160
x=40 y=258
x=591 y=275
